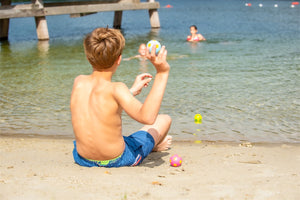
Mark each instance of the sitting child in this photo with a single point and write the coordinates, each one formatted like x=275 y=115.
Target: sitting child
x=97 y=104
x=194 y=37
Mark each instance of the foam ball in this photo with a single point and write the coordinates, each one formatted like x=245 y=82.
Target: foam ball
x=156 y=44
x=175 y=160
x=198 y=119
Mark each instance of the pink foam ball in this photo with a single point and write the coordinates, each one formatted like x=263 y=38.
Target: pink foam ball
x=175 y=160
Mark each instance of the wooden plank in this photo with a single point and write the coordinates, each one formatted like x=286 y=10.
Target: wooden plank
x=80 y=14
x=28 y=10
x=99 y=8
x=77 y=2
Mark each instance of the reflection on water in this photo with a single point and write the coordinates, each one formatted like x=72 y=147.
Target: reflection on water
x=43 y=48
x=244 y=80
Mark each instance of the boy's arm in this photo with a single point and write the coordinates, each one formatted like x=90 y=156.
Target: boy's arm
x=140 y=82
x=146 y=113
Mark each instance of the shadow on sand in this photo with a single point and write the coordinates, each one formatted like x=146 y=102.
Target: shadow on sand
x=155 y=159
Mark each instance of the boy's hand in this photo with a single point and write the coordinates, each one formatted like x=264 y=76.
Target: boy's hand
x=159 y=61
x=141 y=81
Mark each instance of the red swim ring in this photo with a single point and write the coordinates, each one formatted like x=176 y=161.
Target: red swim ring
x=295 y=3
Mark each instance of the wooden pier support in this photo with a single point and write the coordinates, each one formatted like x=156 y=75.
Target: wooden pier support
x=40 y=9
x=40 y=21
x=154 y=18
x=4 y=27
x=41 y=28
x=118 y=19
x=4 y=23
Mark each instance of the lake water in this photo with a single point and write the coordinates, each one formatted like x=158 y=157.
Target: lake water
x=244 y=80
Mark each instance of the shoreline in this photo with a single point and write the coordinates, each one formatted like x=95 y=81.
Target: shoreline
x=43 y=168
x=197 y=141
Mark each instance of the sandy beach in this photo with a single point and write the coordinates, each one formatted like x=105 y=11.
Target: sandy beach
x=43 y=168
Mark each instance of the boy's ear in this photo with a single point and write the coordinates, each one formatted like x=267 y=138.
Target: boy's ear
x=119 y=60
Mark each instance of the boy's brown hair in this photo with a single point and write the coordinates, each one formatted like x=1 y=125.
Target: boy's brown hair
x=103 y=46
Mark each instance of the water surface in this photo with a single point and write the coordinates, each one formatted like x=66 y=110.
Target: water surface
x=244 y=80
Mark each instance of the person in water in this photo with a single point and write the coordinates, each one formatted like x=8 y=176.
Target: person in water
x=97 y=104
x=142 y=53
x=195 y=37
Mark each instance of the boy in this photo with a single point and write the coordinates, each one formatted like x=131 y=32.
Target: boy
x=142 y=53
x=97 y=103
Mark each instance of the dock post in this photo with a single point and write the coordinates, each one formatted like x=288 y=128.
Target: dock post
x=40 y=22
x=41 y=28
x=118 y=19
x=4 y=23
x=154 y=18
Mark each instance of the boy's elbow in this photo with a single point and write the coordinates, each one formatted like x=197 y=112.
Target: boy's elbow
x=166 y=119
x=149 y=120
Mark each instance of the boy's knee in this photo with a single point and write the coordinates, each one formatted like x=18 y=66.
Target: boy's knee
x=166 y=118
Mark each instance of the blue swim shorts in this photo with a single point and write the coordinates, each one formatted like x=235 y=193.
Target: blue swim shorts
x=137 y=147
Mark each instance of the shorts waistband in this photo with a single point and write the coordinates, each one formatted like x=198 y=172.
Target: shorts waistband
x=105 y=162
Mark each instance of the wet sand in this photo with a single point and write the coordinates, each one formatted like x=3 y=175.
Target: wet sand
x=43 y=168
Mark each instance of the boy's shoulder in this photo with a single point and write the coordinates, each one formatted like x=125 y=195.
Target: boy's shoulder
x=119 y=85
x=81 y=77
x=120 y=89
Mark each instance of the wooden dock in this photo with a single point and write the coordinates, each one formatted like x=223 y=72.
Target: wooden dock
x=39 y=9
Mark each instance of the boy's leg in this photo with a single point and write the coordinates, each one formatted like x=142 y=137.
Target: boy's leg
x=159 y=131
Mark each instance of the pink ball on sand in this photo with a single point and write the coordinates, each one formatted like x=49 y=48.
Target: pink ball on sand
x=175 y=160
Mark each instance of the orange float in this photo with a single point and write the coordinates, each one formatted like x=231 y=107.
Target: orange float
x=168 y=6
x=295 y=3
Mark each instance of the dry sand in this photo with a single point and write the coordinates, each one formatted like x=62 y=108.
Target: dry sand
x=43 y=168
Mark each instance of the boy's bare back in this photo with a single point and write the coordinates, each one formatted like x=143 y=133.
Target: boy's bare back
x=97 y=102
x=96 y=118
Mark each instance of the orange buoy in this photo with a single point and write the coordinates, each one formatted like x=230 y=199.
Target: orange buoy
x=295 y=3
x=168 y=6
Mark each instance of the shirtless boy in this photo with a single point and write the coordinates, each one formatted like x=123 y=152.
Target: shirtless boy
x=97 y=104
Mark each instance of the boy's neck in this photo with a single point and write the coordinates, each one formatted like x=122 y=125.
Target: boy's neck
x=106 y=75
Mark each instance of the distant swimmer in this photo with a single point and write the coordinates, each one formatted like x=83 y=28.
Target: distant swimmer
x=194 y=37
x=142 y=53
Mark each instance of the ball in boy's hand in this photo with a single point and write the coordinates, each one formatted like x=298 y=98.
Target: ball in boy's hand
x=175 y=160
x=157 y=46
